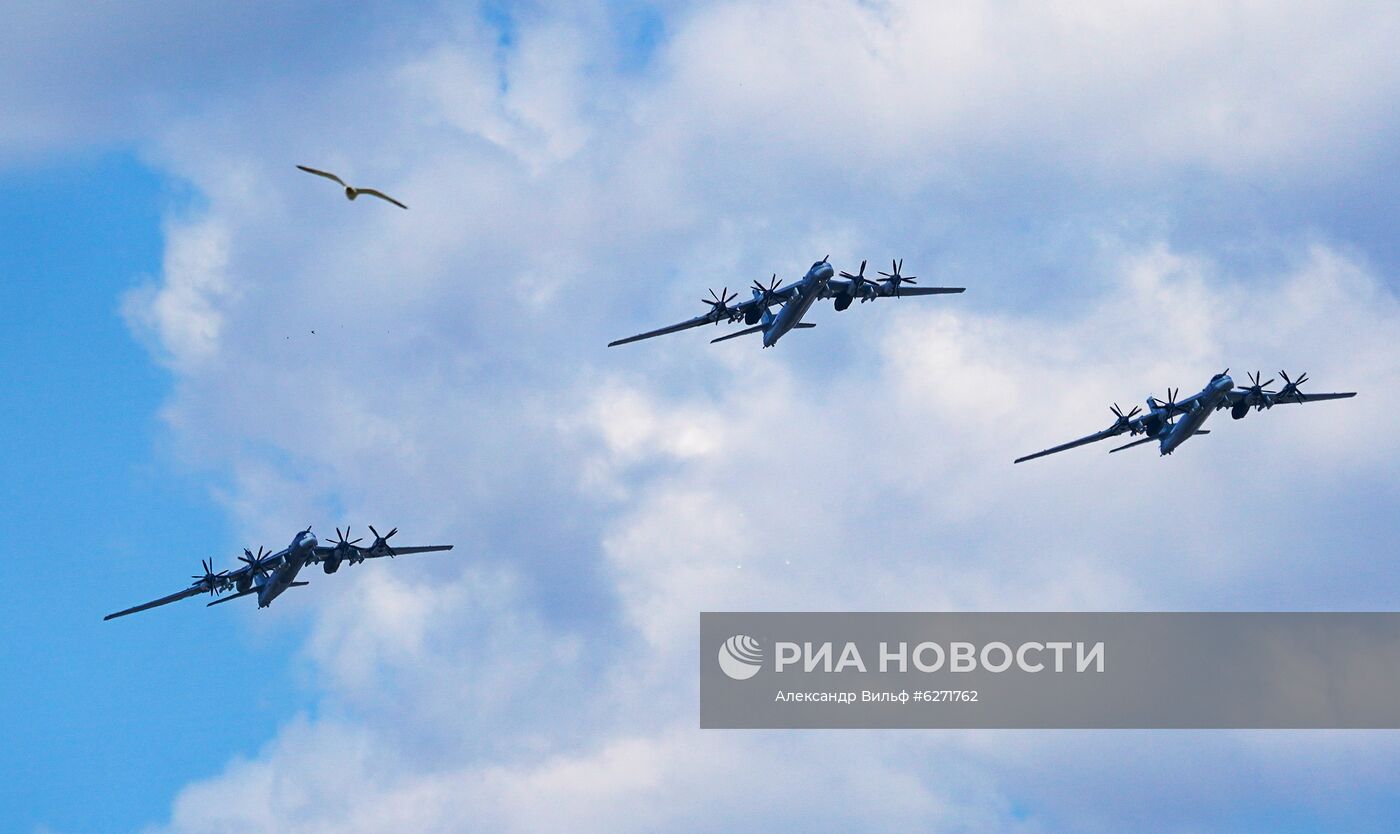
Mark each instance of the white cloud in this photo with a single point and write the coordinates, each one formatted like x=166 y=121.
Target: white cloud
x=183 y=317
x=673 y=779
x=916 y=87
x=891 y=486
x=542 y=675
x=77 y=76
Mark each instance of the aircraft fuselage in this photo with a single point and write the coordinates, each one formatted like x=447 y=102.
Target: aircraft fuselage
x=1191 y=421
x=791 y=313
x=294 y=558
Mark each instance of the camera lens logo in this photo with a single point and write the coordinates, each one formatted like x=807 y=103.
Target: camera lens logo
x=741 y=657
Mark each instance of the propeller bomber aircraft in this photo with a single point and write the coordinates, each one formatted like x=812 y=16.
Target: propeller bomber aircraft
x=1160 y=422
x=795 y=300
x=269 y=574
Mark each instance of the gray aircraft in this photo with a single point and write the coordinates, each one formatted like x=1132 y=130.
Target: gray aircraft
x=269 y=574
x=795 y=300
x=1172 y=423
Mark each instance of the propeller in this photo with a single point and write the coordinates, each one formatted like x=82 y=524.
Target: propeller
x=858 y=282
x=344 y=546
x=1124 y=421
x=381 y=543
x=214 y=583
x=256 y=564
x=895 y=279
x=340 y=538
x=768 y=294
x=719 y=304
x=1291 y=386
x=1255 y=390
x=1170 y=405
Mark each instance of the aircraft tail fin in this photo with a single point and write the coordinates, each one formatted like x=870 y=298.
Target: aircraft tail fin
x=758 y=328
x=746 y=331
x=1146 y=439
x=1131 y=445
x=233 y=596
x=250 y=591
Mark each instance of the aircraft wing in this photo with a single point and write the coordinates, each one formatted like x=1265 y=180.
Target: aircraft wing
x=1083 y=441
x=1181 y=406
x=324 y=551
x=269 y=563
x=1274 y=399
x=842 y=286
x=782 y=295
x=193 y=590
x=886 y=292
x=675 y=328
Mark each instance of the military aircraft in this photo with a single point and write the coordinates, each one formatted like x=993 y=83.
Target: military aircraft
x=1161 y=422
x=269 y=574
x=795 y=300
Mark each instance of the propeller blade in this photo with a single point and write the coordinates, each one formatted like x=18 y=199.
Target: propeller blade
x=859 y=277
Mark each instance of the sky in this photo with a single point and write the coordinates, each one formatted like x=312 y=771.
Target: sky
x=1135 y=198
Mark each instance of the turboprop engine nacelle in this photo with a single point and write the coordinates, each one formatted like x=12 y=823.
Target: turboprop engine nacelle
x=1153 y=422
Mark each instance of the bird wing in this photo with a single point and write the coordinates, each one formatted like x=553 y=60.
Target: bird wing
x=328 y=175
x=381 y=195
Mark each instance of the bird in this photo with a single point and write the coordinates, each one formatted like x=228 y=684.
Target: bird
x=350 y=191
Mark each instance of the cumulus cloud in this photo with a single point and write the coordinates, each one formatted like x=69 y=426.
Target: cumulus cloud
x=542 y=675
x=182 y=318
x=906 y=461
x=83 y=75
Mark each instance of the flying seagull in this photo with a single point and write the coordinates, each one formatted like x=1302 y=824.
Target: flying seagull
x=350 y=191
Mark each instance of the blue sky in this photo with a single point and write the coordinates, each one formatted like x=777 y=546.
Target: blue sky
x=90 y=713
x=1134 y=199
